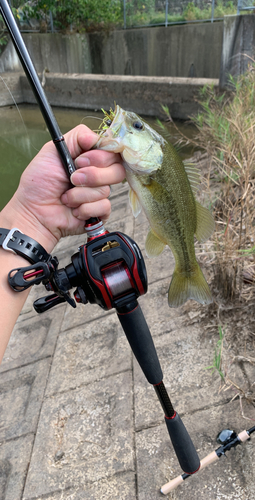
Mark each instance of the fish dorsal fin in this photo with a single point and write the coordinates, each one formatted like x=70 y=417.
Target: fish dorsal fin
x=163 y=130
x=205 y=223
x=168 y=136
x=193 y=174
x=134 y=202
x=153 y=245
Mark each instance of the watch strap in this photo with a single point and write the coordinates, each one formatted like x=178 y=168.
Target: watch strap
x=14 y=240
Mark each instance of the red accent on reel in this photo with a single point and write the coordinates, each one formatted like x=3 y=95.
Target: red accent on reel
x=99 y=284
x=95 y=229
x=31 y=275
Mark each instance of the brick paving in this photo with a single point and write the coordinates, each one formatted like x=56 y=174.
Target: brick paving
x=78 y=420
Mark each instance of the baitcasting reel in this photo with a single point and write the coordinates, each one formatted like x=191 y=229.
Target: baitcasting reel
x=108 y=270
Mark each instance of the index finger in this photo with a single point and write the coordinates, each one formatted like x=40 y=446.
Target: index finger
x=97 y=158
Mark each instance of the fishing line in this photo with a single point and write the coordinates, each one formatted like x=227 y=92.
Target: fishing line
x=20 y=115
x=92 y=118
x=16 y=105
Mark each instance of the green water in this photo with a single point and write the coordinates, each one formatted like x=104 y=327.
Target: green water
x=22 y=138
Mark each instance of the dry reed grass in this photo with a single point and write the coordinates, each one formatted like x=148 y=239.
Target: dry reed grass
x=226 y=128
x=226 y=133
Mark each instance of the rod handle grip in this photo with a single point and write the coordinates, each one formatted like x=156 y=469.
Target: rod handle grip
x=139 y=337
x=209 y=459
x=183 y=445
x=243 y=436
x=171 y=485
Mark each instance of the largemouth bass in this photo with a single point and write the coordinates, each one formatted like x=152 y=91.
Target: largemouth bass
x=160 y=185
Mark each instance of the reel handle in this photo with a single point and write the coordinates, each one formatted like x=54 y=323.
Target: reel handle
x=45 y=303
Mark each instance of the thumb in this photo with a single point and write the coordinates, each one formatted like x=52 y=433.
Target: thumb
x=80 y=139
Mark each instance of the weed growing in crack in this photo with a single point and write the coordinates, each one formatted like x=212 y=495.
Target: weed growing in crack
x=217 y=360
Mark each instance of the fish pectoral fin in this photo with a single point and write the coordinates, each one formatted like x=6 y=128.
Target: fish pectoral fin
x=134 y=202
x=153 y=245
x=183 y=288
x=205 y=223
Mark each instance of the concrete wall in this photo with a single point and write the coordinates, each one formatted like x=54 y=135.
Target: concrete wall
x=59 y=53
x=187 y=50
x=141 y=94
x=163 y=50
x=238 y=48
x=10 y=89
x=9 y=60
x=195 y=50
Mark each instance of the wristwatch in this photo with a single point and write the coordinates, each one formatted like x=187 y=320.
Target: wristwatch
x=21 y=244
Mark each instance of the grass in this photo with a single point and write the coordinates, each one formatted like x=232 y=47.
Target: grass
x=217 y=360
x=190 y=13
x=226 y=127
x=226 y=133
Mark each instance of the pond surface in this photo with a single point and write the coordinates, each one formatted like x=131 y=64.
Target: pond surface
x=23 y=133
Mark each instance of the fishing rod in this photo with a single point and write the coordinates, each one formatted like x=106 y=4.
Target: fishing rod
x=108 y=270
x=228 y=439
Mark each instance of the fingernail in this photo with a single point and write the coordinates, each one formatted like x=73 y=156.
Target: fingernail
x=82 y=161
x=78 y=179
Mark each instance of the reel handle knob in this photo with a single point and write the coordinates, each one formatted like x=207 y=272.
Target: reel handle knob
x=45 y=303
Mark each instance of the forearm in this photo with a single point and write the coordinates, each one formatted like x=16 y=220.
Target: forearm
x=11 y=302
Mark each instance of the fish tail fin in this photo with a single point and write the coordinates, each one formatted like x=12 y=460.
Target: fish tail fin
x=183 y=288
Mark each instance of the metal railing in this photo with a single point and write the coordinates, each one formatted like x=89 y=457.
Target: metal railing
x=169 y=12
x=244 y=5
x=160 y=13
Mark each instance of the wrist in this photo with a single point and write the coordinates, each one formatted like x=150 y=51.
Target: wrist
x=14 y=216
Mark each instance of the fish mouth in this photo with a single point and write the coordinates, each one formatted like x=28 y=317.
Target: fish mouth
x=112 y=138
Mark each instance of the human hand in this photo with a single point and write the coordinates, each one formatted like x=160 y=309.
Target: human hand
x=45 y=208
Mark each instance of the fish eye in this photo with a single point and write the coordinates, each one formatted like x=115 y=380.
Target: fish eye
x=108 y=123
x=138 y=125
